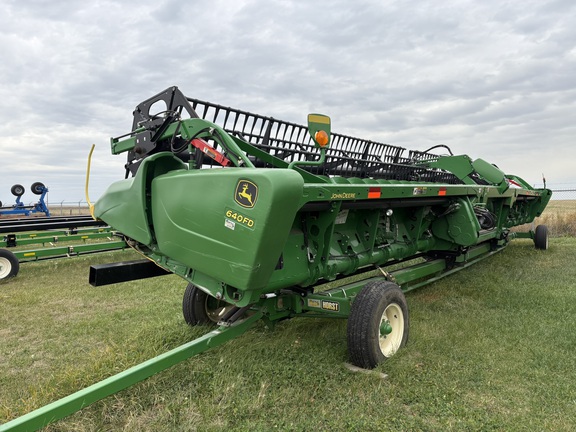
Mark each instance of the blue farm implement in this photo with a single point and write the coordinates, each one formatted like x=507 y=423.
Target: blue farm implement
x=19 y=208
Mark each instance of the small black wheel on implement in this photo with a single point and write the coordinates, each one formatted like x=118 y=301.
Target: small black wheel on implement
x=201 y=308
x=17 y=190
x=9 y=264
x=541 y=237
x=378 y=324
x=37 y=188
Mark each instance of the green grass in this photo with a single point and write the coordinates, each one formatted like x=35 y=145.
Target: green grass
x=490 y=348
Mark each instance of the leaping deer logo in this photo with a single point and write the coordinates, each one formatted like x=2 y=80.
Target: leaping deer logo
x=246 y=193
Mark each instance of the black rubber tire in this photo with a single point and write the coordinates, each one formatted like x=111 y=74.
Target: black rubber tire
x=17 y=190
x=37 y=188
x=0 y=203
x=375 y=302
x=541 y=237
x=9 y=264
x=201 y=308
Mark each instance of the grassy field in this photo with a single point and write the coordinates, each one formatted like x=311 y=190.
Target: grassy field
x=560 y=217
x=491 y=348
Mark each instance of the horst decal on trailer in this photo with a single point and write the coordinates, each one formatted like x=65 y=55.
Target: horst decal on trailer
x=330 y=305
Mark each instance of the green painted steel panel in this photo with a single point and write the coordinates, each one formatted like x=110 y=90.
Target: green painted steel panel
x=489 y=171
x=459 y=226
x=124 y=205
x=231 y=224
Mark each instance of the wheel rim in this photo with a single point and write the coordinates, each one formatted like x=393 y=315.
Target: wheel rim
x=216 y=309
x=391 y=329
x=5 y=267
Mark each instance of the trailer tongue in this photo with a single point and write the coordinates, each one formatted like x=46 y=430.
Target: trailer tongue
x=257 y=214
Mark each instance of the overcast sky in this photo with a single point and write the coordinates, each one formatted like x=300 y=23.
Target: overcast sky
x=492 y=79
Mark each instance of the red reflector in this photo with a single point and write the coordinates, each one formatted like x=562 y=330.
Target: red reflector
x=442 y=191
x=374 y=192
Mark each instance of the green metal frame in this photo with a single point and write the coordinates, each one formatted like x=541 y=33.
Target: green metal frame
x=71 y=250
x=267 y=240
x=52 y=237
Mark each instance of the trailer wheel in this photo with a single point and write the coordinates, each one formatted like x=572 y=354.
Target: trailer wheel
x=378 y=324
x=201 y=308
x=541 y=237
x=17 y=190
x=9 y=264
x=37 y=188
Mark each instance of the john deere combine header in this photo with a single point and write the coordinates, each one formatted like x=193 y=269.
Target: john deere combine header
x=256 y=214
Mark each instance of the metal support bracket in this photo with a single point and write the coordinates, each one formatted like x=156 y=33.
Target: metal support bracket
x=387 y=276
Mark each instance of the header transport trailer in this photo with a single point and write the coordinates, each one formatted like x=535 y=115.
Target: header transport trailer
x=257 y=214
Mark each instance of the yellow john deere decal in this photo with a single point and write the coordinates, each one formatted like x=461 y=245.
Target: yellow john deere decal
x=240 y=218
x=246 y=193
